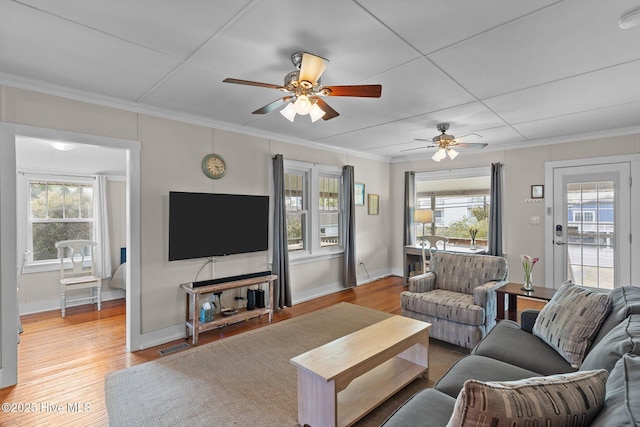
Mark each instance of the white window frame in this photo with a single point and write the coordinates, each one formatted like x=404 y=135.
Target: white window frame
x=312 y=172
x=24 y=221
x=482 y=171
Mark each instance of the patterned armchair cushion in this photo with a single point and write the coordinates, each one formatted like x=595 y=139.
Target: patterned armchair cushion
x=463 y=273
x=445 y=305
x=543 y=401
x=571 y=320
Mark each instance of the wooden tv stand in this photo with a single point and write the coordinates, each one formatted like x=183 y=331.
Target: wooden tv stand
x=192 y=313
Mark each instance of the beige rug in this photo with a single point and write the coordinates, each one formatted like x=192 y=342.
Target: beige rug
x=247 y=379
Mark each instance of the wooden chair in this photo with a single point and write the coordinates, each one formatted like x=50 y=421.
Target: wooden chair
x=80 y=276
x=433 y=246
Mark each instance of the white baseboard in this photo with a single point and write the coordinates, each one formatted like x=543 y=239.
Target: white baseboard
x=176 y=332
x=40 y=306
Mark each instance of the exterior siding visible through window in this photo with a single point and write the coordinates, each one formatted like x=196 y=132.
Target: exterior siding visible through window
x=294 y=196
x=329 y=211
x=313 y=201
x=459 y=204
x=57 y=211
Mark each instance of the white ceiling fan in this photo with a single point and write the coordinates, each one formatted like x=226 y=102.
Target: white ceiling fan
x=446 y=144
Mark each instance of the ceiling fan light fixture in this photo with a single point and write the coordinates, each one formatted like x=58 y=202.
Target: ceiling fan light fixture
x=289 y=112
x=316 y=113
x=303 y=105
x=452 y=153
x=439 y=155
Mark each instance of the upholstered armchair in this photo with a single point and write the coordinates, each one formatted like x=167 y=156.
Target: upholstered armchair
x=457 y=296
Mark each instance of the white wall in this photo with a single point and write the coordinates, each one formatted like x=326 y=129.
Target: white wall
x=522 y=168
x=170 y=159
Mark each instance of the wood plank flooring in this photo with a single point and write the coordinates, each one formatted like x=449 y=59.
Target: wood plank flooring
x=62 y=362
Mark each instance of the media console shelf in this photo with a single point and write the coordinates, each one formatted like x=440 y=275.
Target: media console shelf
x=192 y=314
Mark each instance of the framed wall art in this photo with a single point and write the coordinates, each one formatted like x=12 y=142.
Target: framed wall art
x=537 y=191
x=359 y=193
x=374 y=204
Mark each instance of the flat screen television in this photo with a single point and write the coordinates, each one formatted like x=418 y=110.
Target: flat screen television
x=205 y=225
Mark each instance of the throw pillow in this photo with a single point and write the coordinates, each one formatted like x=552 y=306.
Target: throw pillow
x=564 y=399
x=571 y=320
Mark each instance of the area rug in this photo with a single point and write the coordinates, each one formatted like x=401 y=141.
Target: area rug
x=247 y=379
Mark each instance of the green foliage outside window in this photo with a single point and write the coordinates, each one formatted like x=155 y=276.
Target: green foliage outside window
x=59 y=211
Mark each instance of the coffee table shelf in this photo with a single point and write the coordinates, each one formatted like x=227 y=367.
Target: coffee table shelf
x=342 y=381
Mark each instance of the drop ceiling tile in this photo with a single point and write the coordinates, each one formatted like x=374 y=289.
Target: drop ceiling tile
x=463 y=119
x=592 y=91
x=35 y=45
x=409 y=90
x=259 y=44
x=433 y=25
x=175 y=28
x=607 y=120
x=570 y=38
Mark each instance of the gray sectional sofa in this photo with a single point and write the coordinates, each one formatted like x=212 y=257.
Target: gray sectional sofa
x=524 y=367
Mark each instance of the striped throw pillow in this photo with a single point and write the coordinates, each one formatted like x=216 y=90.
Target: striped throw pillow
x=572 y=399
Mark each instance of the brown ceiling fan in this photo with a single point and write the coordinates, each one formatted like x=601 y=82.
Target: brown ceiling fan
x=446 y=144
x=305 y=91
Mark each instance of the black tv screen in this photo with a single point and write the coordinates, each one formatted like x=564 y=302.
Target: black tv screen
x=204 y=225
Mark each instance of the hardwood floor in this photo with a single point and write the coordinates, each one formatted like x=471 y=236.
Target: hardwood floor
x=62 y=362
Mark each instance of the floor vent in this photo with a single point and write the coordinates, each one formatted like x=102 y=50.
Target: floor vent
x=173 y=349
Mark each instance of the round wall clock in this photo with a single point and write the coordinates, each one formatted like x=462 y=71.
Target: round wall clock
x=214 y=166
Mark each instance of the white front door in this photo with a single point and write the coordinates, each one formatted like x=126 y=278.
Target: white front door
x=592 y=225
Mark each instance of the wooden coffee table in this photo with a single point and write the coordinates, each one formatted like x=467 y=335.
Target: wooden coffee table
x=342 y=381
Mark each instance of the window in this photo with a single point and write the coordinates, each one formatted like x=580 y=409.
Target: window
x=58 y=210
x=314 y=207
x=584 y=216
x=460 y=200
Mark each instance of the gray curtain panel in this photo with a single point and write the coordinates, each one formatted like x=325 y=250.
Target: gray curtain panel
x=280 y=260
x=349 y=227
x=495 y=215
x=409 y=207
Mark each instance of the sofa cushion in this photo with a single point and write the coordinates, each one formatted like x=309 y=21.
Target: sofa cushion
x=479 y=368
x=625 y=301
x=427 y=408
x=571 y=320
x=509 y=343
x=623 y=339
x=551 y=400
x=622 y=403
x=444 y=304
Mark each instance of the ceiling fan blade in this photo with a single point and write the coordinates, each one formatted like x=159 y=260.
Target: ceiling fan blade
x=365 y=91
x=273 y=106
x=311 y=68
x=329 y=113
x=472 y=145
x=250 y=83
x=421 y=139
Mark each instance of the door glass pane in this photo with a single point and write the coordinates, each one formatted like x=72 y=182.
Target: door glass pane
x=591 y=233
